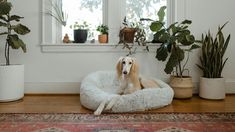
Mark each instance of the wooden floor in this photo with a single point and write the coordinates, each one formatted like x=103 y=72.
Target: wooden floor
x=71 y=104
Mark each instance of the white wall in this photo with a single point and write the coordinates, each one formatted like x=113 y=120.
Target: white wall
x=62 y=72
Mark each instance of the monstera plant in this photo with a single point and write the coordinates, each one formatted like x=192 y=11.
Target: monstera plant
x=176 y=43
x=11 y=76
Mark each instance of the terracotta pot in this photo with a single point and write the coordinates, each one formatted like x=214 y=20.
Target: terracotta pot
x=183 y=87
x=212 y=88
x=103 y=38
x=129 y=34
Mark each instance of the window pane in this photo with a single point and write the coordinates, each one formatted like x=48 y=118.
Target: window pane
x=80 y=11
x=136 y=9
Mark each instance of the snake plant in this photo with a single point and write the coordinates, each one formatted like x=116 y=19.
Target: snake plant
x=213 y=50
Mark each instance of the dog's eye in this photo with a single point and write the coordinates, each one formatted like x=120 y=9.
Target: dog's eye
x=130 y=63
x=123 y=62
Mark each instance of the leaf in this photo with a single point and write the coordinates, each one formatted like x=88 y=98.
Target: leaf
x=21 y=29
x=161 y=13
x=16 y=43
x=3 y=24
x=162 y=52
x=16 y=18
x=186 y=22
x=177 y=55
x=156 y=26
x=5 y=8
x=194 y=46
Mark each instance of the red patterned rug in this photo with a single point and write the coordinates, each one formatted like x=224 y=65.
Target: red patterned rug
x=160 y=122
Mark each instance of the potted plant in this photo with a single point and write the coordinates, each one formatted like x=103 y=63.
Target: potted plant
x=212 y=84
x=80 y=32
x=176 y=40
x=127 y=33
x=131 y=36
x=11 y=76
x=103 y=37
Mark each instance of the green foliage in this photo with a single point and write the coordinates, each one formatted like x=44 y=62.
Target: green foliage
x=213 y=50
x=12 y=39
x=175 y=41
x=139 y=36
x=78 y=25
x=103 y=29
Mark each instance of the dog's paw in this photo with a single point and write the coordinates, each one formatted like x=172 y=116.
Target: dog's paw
x=97 y=112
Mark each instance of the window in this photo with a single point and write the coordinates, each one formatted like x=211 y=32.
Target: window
x=136 y=9
x=95 y=12
x=80 y=11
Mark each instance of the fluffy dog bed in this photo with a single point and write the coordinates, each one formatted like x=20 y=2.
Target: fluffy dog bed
x=99 y=88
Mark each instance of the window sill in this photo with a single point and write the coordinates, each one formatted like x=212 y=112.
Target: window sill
x=88 y=47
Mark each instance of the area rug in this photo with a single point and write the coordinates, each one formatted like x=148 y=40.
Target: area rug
x=160 y=122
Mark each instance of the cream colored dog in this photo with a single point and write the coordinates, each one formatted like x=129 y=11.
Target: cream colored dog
x=128 y=75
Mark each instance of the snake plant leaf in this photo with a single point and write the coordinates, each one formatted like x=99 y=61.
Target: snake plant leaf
x=162 y=52
x=226 y=45
x=16 y=43
x=156 y=26
x=5 y=8
x=21 y=29
x=3 y=24
x=15 y=18
x=161 y=13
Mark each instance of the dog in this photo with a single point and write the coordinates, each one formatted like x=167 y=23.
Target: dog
x=128 y=75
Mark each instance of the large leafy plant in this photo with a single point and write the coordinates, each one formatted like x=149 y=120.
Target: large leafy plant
x=12 y=31
x=175 y=41
x=213 y=50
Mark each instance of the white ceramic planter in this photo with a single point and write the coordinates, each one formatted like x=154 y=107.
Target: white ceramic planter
x=11 y=82
x=212 y=88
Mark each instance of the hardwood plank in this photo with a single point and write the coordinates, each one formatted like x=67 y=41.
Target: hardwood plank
x=71 y=104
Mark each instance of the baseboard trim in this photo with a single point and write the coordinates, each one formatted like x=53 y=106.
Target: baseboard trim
x=74 y=87
x=52 y=88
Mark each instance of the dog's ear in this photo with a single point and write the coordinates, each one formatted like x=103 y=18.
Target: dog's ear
x=119 y=67
x=134 y=67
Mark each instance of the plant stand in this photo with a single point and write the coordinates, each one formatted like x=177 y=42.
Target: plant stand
x=11 y=82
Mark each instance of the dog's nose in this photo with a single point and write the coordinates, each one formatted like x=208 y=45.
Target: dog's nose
x=125 y=72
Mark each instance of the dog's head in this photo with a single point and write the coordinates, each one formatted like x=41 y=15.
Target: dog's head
x=126 y=66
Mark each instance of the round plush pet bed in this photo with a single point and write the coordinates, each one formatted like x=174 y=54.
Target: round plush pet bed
x=99 y=88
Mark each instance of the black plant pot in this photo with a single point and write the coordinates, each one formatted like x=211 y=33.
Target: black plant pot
x=80 y=35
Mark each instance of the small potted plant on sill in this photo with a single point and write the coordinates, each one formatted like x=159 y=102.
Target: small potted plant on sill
x=212 y=84
x=11 y=75
x=80 y=32
x=103 y=37
x=176 y=40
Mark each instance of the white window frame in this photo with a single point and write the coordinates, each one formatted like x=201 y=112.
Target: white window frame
x=112 y=16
